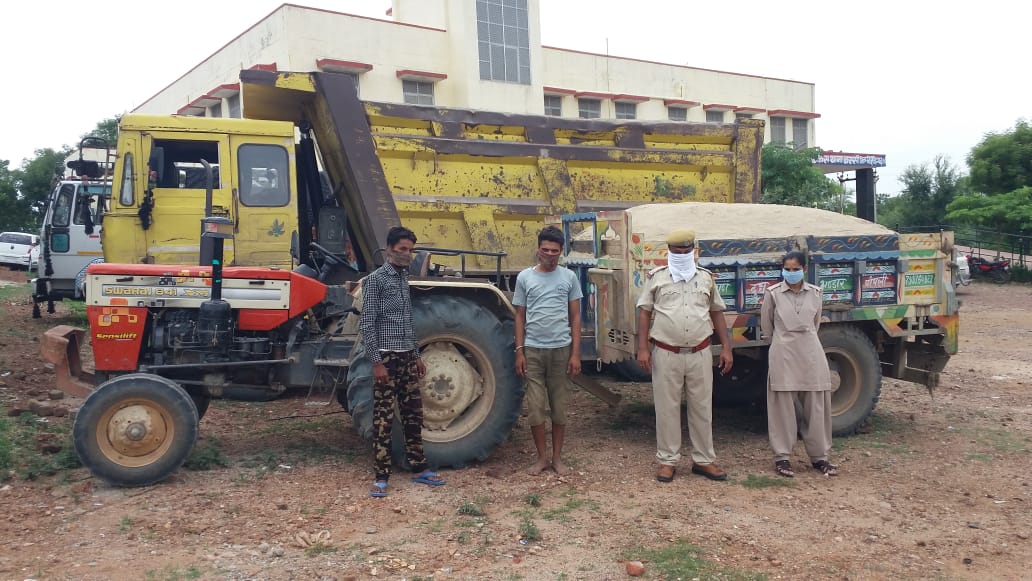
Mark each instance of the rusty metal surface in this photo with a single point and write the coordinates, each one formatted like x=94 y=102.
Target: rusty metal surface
x=486 y=180
x=60 y=346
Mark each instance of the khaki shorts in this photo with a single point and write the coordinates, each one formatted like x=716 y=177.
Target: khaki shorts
x=547 y=384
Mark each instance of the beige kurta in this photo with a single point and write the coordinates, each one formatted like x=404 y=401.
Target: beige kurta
x=798 y=381
x=791 y=320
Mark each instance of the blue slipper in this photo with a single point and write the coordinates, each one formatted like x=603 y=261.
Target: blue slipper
x=379 y=489
x=429 y=478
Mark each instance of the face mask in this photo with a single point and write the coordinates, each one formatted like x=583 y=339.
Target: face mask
x=682 y=266
x=402 y=259
x=548 y=261
x=792 y=276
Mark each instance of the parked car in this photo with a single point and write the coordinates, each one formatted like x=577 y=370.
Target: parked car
x=19 y=250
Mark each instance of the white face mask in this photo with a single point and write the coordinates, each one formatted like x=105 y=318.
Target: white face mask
x=682 y=266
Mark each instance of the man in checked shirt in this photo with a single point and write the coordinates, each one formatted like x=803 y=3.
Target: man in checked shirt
x=390 y=344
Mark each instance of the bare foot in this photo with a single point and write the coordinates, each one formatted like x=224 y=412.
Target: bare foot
x=559 y=467
x=538 y=468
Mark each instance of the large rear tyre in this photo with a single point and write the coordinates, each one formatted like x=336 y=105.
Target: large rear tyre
x=745 y=383
x=629 y=370
x=135 y=429
x=855 y=377
x=471 y=393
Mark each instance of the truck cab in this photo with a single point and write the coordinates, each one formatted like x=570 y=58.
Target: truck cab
x=160 y=191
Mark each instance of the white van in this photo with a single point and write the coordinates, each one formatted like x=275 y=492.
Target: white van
x=70 y=240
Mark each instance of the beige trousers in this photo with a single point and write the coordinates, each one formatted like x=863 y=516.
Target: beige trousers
x=799 y=412
x=674 y=377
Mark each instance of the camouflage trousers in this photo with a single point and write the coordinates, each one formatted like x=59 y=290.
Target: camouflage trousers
x=401 y=389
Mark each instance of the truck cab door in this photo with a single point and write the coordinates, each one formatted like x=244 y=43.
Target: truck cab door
x=264 y=208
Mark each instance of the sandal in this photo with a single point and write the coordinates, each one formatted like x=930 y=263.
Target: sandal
x=784 y=468
x=429 y=478
x=826 y=468
x=379 y=489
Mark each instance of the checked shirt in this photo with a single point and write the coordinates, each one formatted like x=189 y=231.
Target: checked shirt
x=386 y=321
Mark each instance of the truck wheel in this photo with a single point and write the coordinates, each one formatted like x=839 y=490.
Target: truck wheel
x=358 y=399
x=855 y=377
x=629 y=370
x=135 y=429
x=745 y=383
x=201 y=402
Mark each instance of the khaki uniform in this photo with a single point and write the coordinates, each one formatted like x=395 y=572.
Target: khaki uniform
x=798 y=379
x=681 y=318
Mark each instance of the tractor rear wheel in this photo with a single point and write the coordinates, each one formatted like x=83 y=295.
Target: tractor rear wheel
x=135 y=429
x=471 y=393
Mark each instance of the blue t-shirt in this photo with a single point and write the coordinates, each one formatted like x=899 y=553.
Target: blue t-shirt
x=547 y=297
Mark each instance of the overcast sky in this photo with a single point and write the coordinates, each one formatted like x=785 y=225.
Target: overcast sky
x=910 y=79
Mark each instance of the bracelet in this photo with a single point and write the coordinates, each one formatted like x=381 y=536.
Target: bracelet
x=518 y=347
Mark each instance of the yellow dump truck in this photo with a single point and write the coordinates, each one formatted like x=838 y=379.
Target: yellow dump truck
x=171 y=328
x=889 y=303
x=461 y=179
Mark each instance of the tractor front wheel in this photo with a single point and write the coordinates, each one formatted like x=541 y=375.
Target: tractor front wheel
x=136 y=429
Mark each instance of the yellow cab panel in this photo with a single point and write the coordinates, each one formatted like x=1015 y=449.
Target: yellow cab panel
x=161 y=192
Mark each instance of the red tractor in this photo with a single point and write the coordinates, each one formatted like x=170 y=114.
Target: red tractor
x=167 y=339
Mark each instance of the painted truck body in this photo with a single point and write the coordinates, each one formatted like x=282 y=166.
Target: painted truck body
x=889 y=303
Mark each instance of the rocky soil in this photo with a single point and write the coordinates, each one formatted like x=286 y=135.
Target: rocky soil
x=938 y=489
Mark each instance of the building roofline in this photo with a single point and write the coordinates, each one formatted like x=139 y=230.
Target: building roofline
x=673 y=65
x=266 y=17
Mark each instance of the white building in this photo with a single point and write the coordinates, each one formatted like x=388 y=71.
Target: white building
x=482 y=54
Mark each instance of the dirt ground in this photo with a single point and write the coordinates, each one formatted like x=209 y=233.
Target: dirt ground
x=939 y=489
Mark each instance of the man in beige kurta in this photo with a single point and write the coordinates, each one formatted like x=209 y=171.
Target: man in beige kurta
x=675 y=323
x=798 y=372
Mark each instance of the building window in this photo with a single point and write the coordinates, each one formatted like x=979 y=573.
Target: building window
x=677 y=113
x=234 y=106
x=626 y=110
x=777 y=130
x=503 y=35
x=799 y=133
x=589 y=108
x=418 y=92
x=554 y=105
x=714 y=116
x=215 y=110
x=740 y=116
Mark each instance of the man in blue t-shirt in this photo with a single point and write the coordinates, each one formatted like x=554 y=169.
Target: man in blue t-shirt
x=547 y=301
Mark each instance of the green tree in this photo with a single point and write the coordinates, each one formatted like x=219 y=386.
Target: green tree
x=34 y=180
x=927 y=191
x=106 y=130
x=12 y=208
x=1009 y=212
x=789 y=177
x=1002 y=162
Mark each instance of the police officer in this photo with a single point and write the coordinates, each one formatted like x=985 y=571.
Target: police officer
x=679 y=308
